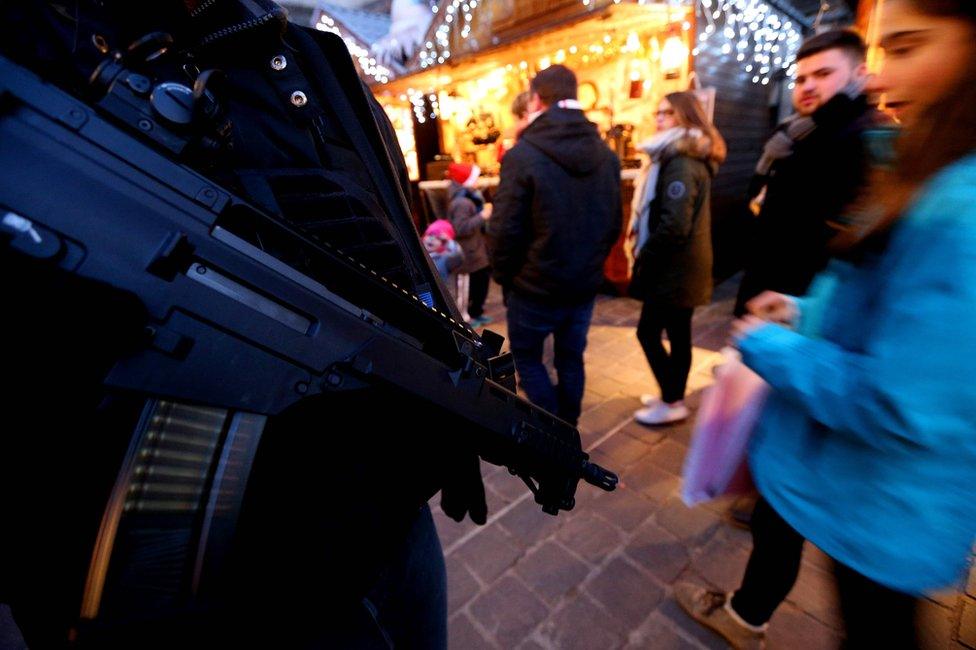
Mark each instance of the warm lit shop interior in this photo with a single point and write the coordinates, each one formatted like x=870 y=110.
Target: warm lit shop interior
x=626 y=57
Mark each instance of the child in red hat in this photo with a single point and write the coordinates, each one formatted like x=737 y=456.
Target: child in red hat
x=468 y=212
x=464 y=174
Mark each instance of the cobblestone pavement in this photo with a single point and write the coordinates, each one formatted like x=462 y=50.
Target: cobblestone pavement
x=601 y=575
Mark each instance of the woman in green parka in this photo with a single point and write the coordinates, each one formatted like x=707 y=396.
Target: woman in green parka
x=672 y=242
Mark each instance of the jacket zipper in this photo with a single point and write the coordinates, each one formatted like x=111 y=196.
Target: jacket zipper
x=206 y=4
x=234 y=29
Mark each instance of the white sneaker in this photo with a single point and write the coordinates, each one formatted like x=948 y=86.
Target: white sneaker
x=662 y=414
x=650 y=399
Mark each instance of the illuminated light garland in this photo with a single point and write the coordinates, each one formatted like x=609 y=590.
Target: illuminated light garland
x=748 y=25
x=417 y=98
x=759 y=36
x=752 y=29
x=367 y=63
x=596 y=51
x=459 y=12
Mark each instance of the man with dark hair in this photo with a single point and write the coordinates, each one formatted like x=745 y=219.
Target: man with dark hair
x=554 y=84
x=847 y=41
x=811 y=168
x=557 y=215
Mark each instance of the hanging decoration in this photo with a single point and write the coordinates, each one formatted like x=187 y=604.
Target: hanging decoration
x=752 y=31
x=459 y=13
x=419 y=103
x=824 y=8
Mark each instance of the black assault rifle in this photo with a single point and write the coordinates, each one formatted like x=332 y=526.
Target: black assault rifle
x=249 y=315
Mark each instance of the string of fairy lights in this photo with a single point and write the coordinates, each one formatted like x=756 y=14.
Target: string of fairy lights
x=661 y=48
x=459 y=13
x=760 y=37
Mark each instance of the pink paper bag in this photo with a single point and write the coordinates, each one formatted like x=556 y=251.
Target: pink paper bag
x=716 y=462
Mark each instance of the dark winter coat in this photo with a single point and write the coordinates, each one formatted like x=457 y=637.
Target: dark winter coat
x=674 y=268
x=464 y=213
x=308 y=164
x=805 y=192
x=557 y=211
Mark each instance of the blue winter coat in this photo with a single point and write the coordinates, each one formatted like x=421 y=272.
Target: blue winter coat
x=867 y=445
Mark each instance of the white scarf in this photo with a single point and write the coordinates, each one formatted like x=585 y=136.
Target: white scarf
x=570 y=104
x=645 y=187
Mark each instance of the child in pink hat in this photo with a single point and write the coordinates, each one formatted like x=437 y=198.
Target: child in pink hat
x=444 y=252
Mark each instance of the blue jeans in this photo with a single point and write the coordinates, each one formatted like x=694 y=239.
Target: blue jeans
x=529 y=324
x=409 y=602
x=406 y=608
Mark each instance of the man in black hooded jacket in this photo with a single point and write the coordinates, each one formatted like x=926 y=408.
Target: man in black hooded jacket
x=557 y=215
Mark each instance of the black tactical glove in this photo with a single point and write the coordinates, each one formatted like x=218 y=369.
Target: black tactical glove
x=464 y=492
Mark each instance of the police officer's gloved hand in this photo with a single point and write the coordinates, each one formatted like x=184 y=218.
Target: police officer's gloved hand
x=464 y=492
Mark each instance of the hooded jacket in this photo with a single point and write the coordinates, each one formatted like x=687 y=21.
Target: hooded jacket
x=464 y=213
x=674 y=266
x=557 y=211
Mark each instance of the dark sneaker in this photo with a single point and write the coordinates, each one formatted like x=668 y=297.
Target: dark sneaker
x=712 y=609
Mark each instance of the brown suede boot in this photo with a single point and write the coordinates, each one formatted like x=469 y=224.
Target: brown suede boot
x=713 y=610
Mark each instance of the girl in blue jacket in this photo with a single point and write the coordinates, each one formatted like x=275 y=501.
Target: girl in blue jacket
x=867 y=445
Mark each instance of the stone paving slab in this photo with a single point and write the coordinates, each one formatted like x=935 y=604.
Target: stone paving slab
x=601 y=576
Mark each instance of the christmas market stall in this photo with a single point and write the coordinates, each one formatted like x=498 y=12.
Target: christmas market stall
x=458 y=102
x=480 y=56
x=449 y=98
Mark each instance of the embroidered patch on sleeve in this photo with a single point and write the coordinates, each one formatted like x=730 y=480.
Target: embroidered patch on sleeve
x=676 y=190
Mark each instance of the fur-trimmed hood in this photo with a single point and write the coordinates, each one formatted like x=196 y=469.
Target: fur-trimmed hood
x=680 y=141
